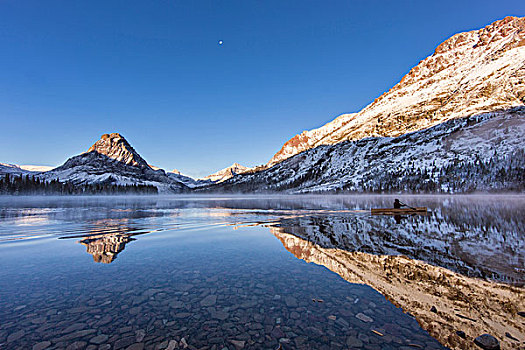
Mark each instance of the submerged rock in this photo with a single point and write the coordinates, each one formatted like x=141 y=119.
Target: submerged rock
x=290 y=301
x=210 y=300
x=508 y=335
x=78 y=345
x=364 y=317
x=172 y=345
x=99 y=339
x=353 y=342
x=487 y=342
x=15 y=336
x=461 y=334
x=239 y=344
x=42 y=345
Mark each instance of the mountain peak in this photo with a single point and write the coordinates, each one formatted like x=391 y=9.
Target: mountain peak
x=226 y=173
x=116 y=147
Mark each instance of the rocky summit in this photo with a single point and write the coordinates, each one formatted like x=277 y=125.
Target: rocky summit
x=116 y=147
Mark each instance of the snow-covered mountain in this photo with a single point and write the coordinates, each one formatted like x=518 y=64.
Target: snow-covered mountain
x=22 y=169
x=484 y=152
x=13 y=169
x=470 y=73
x=227 y=173
x=112 y=160
x=116 y=147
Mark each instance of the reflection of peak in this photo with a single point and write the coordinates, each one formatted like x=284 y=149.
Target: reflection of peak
x=105 y=248
x=468 y=304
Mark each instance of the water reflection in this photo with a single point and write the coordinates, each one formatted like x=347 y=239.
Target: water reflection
x=105 y=248
x=461 y=303
x=460 y=268
x=469 y=249
x=105 y=239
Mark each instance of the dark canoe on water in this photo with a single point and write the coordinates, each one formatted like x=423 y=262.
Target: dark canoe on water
x=399 y=211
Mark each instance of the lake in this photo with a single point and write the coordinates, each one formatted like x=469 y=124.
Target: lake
x=260 y=272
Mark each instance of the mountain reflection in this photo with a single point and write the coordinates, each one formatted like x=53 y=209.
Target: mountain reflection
x=451 y=262
x=482 y=243
x=105 y=248
x=461 y=303
x=105 y=239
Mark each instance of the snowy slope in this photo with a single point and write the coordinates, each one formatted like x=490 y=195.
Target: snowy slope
x=455 y=156
x=470 y=73
x=22 y=169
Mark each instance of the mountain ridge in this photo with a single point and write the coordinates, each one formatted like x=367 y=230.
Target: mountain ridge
x=472 y=72
x=473 y=79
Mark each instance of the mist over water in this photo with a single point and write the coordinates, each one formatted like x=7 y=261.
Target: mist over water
x=220 y=270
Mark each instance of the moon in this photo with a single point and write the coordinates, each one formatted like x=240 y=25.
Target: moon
x=220 y=42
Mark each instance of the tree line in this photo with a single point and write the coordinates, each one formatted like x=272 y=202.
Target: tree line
x=487 y=174
x=32 y=185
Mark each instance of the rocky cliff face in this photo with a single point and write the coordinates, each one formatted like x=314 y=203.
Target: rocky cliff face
x=470 y=73
x=116 y=147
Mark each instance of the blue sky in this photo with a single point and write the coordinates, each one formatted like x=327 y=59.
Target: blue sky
x=154 y=71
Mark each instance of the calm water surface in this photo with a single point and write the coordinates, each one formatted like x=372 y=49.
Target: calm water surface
x=306 y=272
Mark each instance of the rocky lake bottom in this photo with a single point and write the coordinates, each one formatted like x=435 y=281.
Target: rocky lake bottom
x=258 y=273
